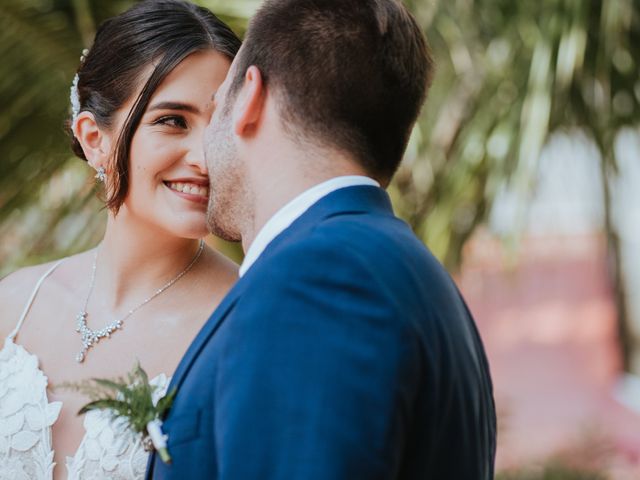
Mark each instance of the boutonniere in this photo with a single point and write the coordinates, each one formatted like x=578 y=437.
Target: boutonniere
x=132 y=399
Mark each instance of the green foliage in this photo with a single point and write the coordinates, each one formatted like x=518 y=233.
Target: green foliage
x=508 y=73
x=48 y=206
x=128 y=397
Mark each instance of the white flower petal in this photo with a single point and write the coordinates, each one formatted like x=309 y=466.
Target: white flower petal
x=13 y=402
x=24 y=440
x=11 y=424
x=109 y=463
x=34 y=416
x=53 y=412
x=106 y=438
x=93 y=449
x=139 y=462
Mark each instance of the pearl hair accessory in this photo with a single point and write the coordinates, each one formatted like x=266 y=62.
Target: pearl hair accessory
x=74 y=96
x=75 y=99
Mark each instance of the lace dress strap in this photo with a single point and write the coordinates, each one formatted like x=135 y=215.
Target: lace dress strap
x=27 y=307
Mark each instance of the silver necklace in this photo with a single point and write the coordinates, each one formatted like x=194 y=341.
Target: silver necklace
x=91 y=337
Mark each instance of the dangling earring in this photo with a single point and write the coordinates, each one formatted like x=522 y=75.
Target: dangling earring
x=101 y=174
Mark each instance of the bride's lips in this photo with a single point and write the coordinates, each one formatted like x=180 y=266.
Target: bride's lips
x=193 y=189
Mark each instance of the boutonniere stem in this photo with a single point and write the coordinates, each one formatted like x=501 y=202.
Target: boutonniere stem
x=159 y=439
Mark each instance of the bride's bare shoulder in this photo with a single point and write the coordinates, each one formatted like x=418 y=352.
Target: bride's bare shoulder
x=20 y=282
x=15 y=290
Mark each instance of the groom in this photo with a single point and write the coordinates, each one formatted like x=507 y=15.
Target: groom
x=344 y=351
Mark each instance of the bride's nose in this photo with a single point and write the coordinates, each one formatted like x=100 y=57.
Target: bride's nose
x=195 y=157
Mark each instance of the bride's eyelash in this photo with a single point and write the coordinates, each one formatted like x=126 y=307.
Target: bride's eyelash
x=171 y=121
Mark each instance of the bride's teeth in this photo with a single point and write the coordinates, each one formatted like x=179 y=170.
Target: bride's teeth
x=189 y=188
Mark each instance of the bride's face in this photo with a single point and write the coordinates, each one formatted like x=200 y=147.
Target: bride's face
x=168 y=180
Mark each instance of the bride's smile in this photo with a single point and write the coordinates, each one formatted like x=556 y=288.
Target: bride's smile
x=168 y=178
x=190 y=189
x=140 y=102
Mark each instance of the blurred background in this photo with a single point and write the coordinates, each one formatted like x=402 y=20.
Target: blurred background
x=522 y=176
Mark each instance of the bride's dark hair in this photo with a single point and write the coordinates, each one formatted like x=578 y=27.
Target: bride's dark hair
x=162 y=32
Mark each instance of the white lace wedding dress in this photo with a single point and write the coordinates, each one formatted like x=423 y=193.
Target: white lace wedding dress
x=107 y=451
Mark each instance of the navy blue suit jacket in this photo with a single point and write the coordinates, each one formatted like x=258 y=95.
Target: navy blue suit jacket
x=345 y=352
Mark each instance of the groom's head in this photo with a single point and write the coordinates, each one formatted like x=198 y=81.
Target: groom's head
x=347 y=76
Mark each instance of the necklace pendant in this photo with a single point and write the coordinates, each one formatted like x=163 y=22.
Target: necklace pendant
x=81 y=319
x=90 y=337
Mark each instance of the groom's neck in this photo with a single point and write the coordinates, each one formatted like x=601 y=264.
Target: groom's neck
x=279 y=178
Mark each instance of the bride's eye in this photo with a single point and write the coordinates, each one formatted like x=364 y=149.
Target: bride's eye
x=172 y=121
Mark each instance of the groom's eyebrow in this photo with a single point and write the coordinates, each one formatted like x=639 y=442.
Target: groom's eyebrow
x=185 y=107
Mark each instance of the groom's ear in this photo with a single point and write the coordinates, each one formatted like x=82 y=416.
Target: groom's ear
x=250 y=103
x=96 y=144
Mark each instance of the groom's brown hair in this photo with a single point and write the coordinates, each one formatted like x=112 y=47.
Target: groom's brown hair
x=352 y=74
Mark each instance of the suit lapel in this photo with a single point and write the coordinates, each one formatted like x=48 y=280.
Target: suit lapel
x=345 y=200
x=196 y=347
x=205 y=333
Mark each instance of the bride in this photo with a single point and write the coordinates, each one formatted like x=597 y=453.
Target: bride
x=140 y=102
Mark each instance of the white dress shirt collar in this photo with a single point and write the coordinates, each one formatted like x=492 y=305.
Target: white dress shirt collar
x=284 y=217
